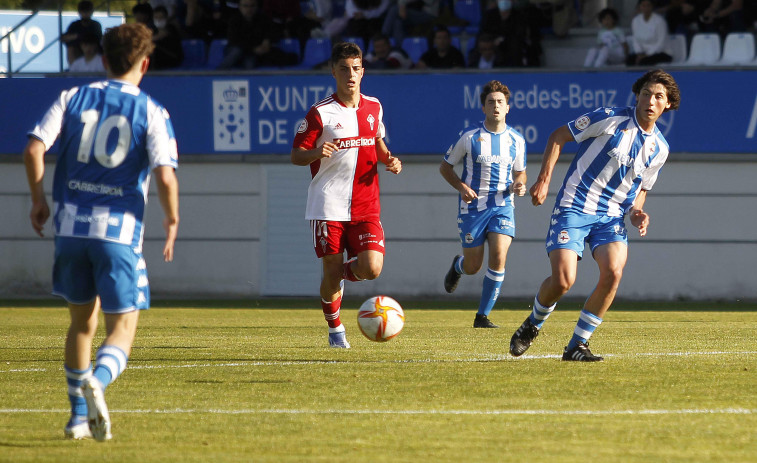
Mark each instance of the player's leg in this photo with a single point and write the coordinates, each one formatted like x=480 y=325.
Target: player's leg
x=331 y=298
x=77 y=364
x=367 y=265
x=611 y=259
x=472 y=228
x=365 y=241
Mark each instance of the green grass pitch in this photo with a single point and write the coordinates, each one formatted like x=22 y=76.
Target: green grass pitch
x=255 y=381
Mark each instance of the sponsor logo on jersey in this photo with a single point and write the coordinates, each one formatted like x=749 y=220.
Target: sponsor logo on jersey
x=623 y=158
x=366 y=235
x=353 y=142
x=96 y=188
x=488 y=159
x=338 y=126
x=504 y=223
x=563 y=237
x=583 y=122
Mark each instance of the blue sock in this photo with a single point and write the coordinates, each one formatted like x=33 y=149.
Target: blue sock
x=490 y=291
x=587 y=323
x=74 y=379
x=459 y=265
x=110 y=362
x=540 y=313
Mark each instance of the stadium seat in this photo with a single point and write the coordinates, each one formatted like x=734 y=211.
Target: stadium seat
x=415 y=47
x=194 y=54
x=291 y=45
x=738 y=49
x=469 y=11
x=215 y=53
x=704 y=49
x=677 y=45
x=317 y=51
x=356 y=40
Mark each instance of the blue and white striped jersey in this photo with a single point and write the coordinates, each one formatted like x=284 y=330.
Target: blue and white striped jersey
x=615 y=158
x=488 y=163
x=110 y=135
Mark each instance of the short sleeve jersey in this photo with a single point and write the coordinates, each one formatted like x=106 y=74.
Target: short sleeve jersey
x=615 y=158
x=345 y=186
x=111 y=135
x=488 y=162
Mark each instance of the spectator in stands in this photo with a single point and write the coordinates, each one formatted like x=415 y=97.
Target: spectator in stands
x=77 y=29
x=611 y=42
x=202 y=19
x=649 y=37
x=384 y=56
x=169 y=5
x=168 y=52
x=410 y=17
x=288 y=20
x=91 y=60
x=682 y=15
x=442 y=55
x=723 y=16
x=365 y=17
x=249 y=39
x=485 y=55
x=518 y=39
x=143 y=14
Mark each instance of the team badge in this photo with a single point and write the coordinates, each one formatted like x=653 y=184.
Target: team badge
x=563 y=237
x=303 y=126
x=468 y=238
x=583 y=122
x=371 y=120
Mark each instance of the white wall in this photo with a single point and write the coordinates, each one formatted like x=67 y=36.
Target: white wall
x=243 y=234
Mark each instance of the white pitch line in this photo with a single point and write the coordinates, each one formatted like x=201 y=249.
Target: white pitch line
x=296 y=411
x=493 y=358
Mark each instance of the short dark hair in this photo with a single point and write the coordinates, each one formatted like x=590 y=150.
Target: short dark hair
x=344 y=50
x=85 y=5
x=494 y=86
x=658 y=76
x=609 y=12
x=124 y=45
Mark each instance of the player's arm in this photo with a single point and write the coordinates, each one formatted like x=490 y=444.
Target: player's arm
x=449 y=174
x=639 y=218
x=168 y=192
x=519 y=182
x=555 y=143
x=393 y=165
x=303 y=157
x=34 y=155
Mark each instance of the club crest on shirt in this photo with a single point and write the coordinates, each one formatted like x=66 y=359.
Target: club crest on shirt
x=371 y=120
x=303 y=126
x=583 y=122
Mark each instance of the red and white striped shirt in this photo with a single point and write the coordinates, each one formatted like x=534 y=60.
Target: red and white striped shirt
x=345 y=186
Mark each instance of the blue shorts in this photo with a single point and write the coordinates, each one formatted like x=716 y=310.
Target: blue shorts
x=571 y=230
x=85 y=268
x=474 y=226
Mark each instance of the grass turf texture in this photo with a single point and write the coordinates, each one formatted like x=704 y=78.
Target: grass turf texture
x=254 y=384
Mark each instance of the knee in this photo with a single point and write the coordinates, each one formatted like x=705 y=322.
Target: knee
x=471 y=266
x=372 y=271
x=611 y=277
x=562 y=283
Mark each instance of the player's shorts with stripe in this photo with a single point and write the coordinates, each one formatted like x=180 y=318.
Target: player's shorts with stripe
x=85 y=268
x=475 y=225
x=570 y=229
x=332 y=237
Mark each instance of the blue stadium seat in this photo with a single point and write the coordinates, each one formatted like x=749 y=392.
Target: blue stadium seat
x=470 y=11
x=356 y=40
x=215 y=53
x=194 y=54
x=415 y=47
x=317 y=51
x=291 y=45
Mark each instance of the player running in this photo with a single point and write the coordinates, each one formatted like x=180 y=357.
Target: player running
x=341 y=139
x=112 y=136
x=494 y=168
x=620 y=154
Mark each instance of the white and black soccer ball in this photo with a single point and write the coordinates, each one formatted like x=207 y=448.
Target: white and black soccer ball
x=380 y=318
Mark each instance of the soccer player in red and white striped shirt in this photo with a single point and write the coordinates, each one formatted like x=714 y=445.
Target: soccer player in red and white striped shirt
x=341 y=139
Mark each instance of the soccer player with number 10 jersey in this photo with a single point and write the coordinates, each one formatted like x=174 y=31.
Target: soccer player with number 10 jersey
x=620 y=154
x=341 y=139
x=112 y=137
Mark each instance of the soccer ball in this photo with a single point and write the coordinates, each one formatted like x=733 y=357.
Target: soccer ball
x=380 y=318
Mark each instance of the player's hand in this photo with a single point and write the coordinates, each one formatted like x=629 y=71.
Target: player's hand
x=393 y=165
x=172 y=229
x=519 y=189
x=39 y=214
x=467 y=194
x=326 y=150
x=640 y=220
x=539 y=192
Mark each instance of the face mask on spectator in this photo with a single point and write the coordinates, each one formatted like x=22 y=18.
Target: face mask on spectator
x=504 y=5
x=160 y=23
